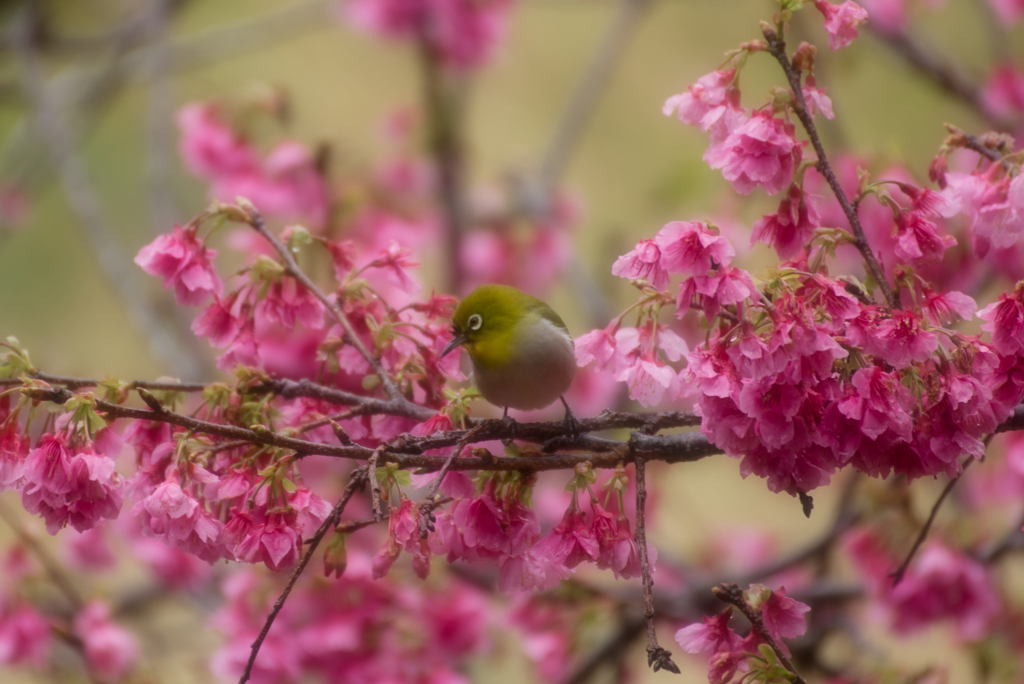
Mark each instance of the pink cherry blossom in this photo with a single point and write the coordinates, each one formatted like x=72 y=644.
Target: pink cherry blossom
x=790 y=228
x=271 y=530
x=772 y=406
x=1005 y=320
x=995 y=207
x=286 y=183
x=841 y=21
x=905 y=339
x=89 y=550
x=945 y=308
x=403 y=534
x=217 y=322
x=713 y=635
x=1003 y=93
x=783 y=616
x=648 y=379
x=396 y=261
x=174 y=567
x=174 y=516
x=918 y=239
x=184 y=264
x=24 y=634
x=570 y=543
x=13 y=447
x=209 y=147
x=286 y=302
x=462 y=34
x=944 y=584
x=888 y=16
x=266 y=538
x=713 y=103
x=65 y=486
x=763 y=151
x=596 y=346
x=644 y=261
x=110 y=651
x=439 y=422
x=692 y=248
x=816 y=99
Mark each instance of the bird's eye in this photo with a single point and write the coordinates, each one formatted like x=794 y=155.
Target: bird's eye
x=475 y=321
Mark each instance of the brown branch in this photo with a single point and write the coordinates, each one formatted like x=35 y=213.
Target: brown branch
x=777 y=46
x=371 y=467
x=730 y=593
x=898 y=573
x=356 y=480
x=658 y=658
x=79 y=383
x=993 y=148
x=307 y=388
x=292 y=269
x=601 y=453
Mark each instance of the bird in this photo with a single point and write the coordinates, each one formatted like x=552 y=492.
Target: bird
x=522 y=353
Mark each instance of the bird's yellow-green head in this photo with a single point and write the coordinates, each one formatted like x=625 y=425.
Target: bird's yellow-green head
x=489 y=319
x=521 y=351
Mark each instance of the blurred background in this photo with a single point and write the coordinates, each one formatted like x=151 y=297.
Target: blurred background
x=89 y=173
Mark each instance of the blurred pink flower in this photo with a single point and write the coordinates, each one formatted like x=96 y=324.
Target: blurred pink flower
x=841 y=21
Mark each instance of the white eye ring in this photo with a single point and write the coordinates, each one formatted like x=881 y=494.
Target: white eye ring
x=475 y=321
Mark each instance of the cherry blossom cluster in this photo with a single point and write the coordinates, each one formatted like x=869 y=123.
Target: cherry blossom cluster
x=805 y=373
x=360 y=630
x=748 y=657
x=109 y=651
x=942 y=584
x=286 y=179
x=460 y=34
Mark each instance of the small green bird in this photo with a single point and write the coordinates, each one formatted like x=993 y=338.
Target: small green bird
x=521 y=351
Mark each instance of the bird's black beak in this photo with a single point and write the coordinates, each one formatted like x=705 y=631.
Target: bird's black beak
x=458 y=340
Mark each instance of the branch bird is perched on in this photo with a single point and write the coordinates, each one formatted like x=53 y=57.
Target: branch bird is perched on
x=521 y=351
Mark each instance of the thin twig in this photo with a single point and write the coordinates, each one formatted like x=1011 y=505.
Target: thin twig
x=730 y=593
x=777 y=46
x=429 y=502
x=371 y=467
x=292 y=268
x=658 y=658
x=973 y=142
x=898 y=573
x=356 y=481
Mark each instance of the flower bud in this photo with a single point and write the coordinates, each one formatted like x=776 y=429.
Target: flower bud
x=803 y=58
